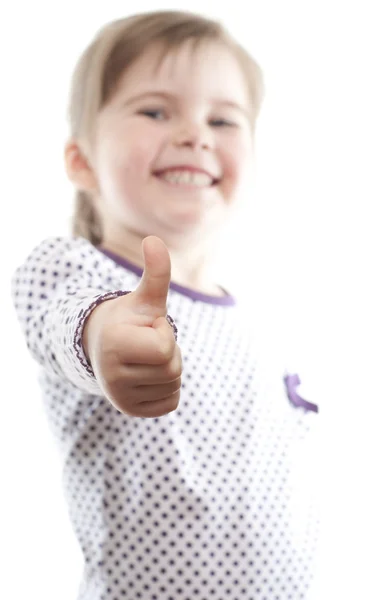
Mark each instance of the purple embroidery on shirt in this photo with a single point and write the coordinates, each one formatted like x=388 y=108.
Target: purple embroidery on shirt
x=291 y=382
x=171 y=322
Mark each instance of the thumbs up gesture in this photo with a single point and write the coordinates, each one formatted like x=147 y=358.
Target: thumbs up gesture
x=131 y=346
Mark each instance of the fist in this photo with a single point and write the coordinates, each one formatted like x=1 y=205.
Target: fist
x=131 y=346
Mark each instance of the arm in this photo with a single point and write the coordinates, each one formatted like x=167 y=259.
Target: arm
x=133 y=358
x=54 y=292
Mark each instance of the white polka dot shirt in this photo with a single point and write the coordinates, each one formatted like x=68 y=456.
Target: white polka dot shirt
x=210 y=502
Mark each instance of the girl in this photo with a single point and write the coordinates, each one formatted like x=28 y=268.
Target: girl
x=179 y=454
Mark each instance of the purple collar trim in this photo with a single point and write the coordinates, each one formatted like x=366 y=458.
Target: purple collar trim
x=226 y=300
x=291 y=382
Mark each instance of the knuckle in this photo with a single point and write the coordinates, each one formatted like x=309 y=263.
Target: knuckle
x=174 y=370
x=165 y=350
x=174 y=401
x=111 y=377
x=177 y=384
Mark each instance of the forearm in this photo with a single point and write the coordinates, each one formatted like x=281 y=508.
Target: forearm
x=53 y=301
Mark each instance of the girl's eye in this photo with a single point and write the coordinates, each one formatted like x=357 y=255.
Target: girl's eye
x=222 y=123
x=157 y=115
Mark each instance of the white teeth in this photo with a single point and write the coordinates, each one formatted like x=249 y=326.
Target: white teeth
x=188 y=178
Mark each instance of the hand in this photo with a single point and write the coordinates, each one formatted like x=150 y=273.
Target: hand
x=131 y=346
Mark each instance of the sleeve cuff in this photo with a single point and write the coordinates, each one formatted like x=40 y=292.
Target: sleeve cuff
x=77 y=339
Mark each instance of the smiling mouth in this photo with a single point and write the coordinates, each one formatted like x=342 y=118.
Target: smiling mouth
x=187 y=178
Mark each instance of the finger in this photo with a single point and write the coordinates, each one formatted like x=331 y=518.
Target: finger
x=152 y=374
x=152 y=393
x=158 y=408
x=150 y=297
x=133 y=345
x=131 y=396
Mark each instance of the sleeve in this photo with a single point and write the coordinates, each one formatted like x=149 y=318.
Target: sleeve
x=54 y=292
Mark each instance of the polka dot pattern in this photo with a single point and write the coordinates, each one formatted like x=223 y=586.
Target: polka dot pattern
x=210 y=502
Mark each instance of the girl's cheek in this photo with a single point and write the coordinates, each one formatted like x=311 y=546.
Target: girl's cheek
x=234 y=162
x=242 y=159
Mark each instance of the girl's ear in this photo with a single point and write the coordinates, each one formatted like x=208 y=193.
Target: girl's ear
x=78 y=167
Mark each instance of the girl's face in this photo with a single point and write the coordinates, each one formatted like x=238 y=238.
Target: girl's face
x=173 y=144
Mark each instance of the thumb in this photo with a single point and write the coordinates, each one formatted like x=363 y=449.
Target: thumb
x=153 y=288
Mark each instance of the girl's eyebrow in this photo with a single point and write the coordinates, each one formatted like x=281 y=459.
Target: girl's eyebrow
x=151 y=94
x=232 y=104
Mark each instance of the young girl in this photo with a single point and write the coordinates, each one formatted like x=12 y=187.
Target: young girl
x=181 y=446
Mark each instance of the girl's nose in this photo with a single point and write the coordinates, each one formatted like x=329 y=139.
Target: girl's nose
x=193 y=135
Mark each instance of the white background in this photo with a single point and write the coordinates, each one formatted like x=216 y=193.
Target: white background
x=311 y=251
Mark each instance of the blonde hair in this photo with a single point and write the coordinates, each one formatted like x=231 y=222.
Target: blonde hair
x=117 y=46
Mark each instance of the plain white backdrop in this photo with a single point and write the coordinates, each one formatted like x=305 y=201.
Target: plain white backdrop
x=310 y=253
